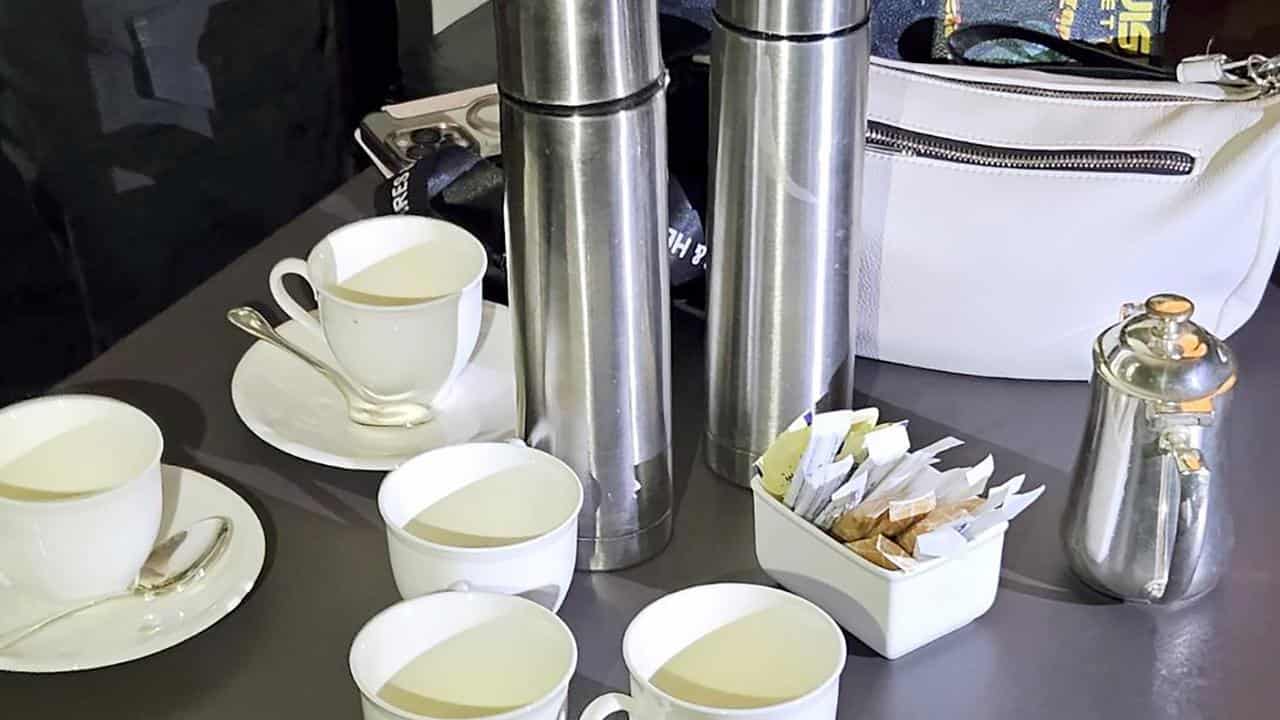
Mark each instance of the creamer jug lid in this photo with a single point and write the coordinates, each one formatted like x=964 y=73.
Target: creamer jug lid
x=1159 y=354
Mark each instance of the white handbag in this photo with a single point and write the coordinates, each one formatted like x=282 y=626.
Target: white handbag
x=1010 y=213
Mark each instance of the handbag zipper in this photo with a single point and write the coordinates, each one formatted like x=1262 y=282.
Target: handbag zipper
x=899 y=141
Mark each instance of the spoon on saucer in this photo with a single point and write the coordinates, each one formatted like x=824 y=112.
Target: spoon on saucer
x=364 y=407
x=174 y=565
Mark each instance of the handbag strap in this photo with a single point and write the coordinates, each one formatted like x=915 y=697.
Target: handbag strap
x=1086 y=59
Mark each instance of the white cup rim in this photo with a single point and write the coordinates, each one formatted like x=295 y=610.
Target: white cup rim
x=478 y=246
x=96 y=496
x=413 y=540
x=561 y=686
x=833 y=677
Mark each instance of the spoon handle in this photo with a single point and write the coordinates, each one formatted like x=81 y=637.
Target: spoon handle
x=363 y=406
x=252 y=322
x=14 y=637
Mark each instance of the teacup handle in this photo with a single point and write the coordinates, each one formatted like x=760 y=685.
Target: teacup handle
x=293 y=266
x=606 y=705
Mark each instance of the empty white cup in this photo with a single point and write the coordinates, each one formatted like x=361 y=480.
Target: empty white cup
x=814 y=651
x=80 y=498
x=526 y=510
x=410 y=348
x=403 y=632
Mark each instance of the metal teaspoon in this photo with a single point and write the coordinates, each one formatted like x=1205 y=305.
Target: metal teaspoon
x=363 y=406
x=175 y=564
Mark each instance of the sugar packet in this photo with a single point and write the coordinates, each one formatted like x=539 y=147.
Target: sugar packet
x=828 y=432
x=777 y=468
x=894 y=482
x=1003 y=504
x=818 y=494
x=845 y=498
x=882 y=551
x=884 y=516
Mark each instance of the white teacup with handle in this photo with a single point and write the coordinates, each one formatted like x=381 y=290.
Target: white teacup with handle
x=729 y=651
x=462 y=654
x=399 y=300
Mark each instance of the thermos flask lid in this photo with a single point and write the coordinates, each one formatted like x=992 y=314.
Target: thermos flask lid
x=1158 y=354
x=577 y=52
x=793 y=17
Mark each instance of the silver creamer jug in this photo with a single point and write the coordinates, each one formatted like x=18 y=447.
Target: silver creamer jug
x=1148 y=519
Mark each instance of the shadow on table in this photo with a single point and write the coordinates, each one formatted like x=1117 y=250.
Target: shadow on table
x=689 y=406
x=178 y=414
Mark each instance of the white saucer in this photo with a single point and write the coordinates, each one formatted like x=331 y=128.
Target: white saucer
x=133 y=628
x=291 y=407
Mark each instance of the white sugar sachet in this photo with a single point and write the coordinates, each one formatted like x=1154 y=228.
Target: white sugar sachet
x=1008 y=509
x=827 y=516
x=963 y=483
x=888 y=444
x=864 y=422
x=1016 y=504
x=845 y=498
x=997 y=496
x=953 y=485
x=818 y=494
x=943 y=542
x=927 y=479
x=855 y=488
x=896 y=481
x=827 y=434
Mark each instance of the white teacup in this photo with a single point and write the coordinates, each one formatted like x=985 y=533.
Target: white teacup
x=784 y=661
x=494 y=517
x=404 y=329
x=497 y=656
x=80 y=498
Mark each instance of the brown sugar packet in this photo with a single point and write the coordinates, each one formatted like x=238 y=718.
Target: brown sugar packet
x=940 y=516
x=883 y=552
x=882 y=517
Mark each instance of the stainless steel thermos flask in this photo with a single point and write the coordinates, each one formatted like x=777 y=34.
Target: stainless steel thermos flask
x=584 y=149
x=788 y=107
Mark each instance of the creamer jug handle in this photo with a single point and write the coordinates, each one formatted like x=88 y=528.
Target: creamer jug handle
x=1185 y=496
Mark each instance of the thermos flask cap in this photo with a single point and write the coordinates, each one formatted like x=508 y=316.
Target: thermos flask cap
x=573 y=53
x=793 y=17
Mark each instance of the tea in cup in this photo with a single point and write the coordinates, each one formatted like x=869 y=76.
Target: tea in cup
x=80 y=495
x=464 y=655
x=399 y=302
x=496 y=517
x=716 y=651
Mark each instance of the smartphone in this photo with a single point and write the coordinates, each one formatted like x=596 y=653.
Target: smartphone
x=396 y=136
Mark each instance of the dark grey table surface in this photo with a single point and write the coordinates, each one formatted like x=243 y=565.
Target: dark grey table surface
x=1049 y=648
